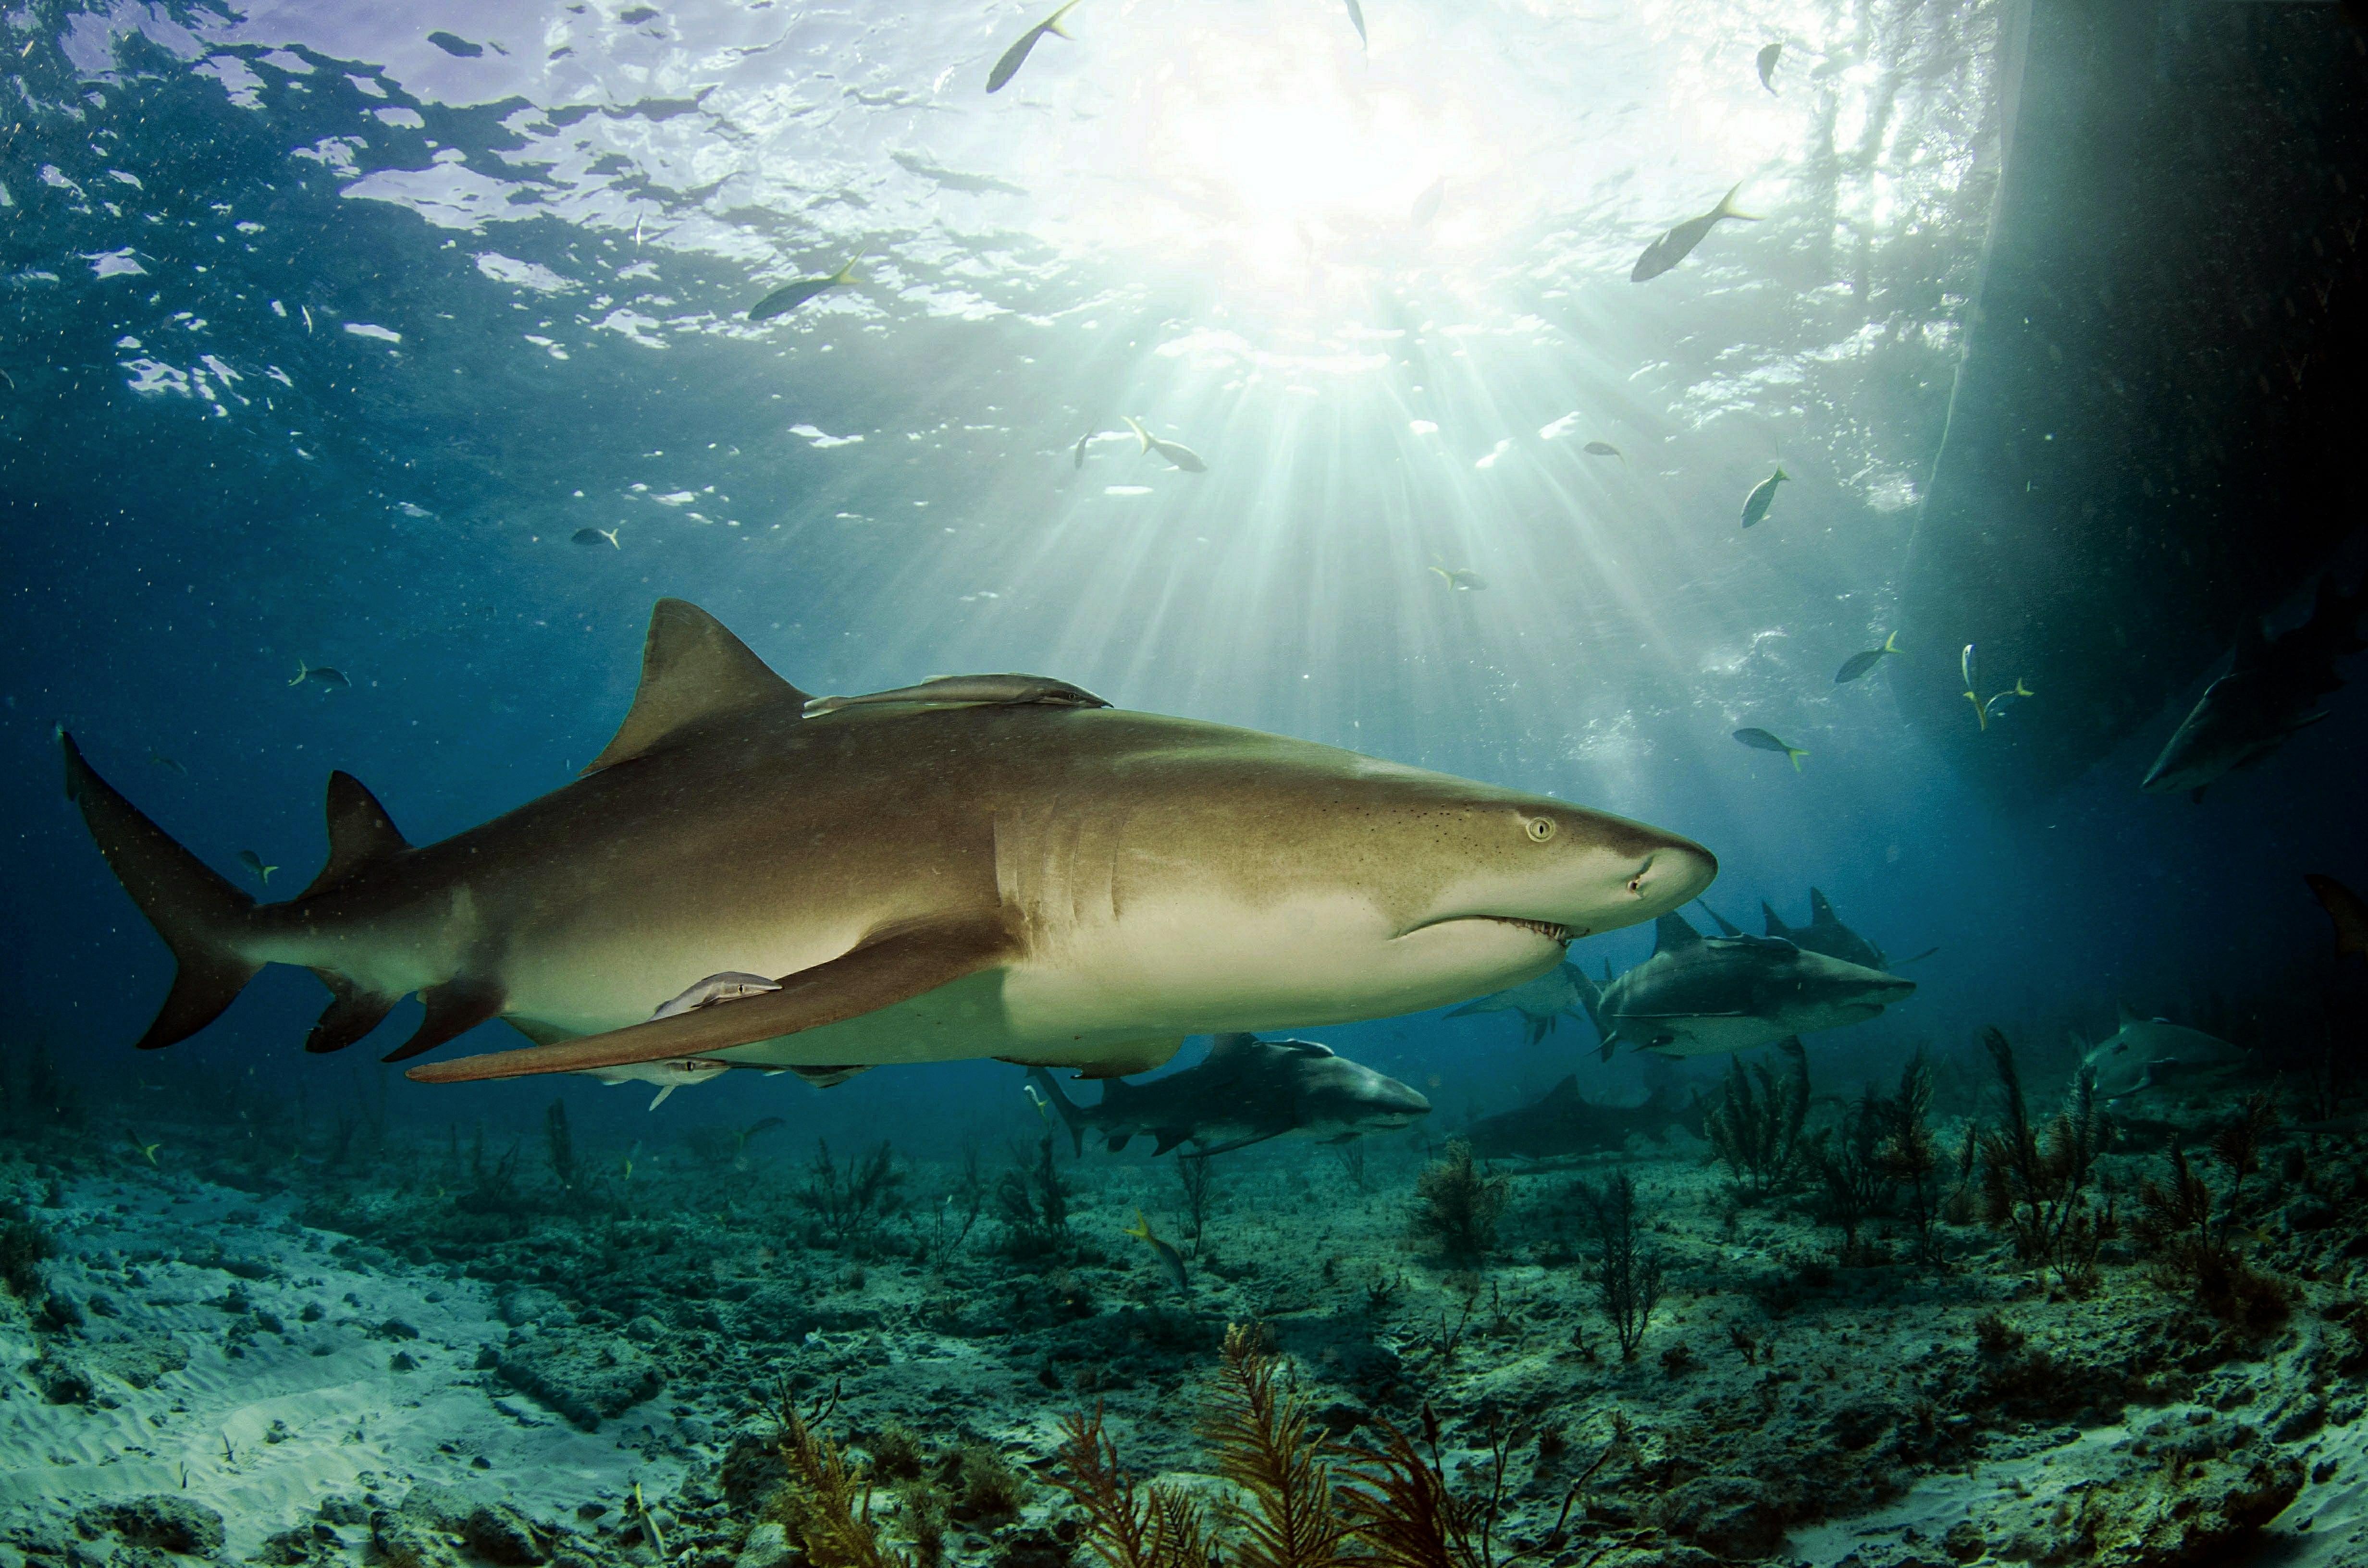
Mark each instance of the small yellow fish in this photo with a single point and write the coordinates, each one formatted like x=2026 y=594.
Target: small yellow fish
x=1171 y=1260
x=147 y=1151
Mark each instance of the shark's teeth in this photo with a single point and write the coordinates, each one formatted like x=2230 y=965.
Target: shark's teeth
x=1551 y=932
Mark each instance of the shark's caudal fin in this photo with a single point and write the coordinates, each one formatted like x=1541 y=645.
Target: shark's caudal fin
x=1073 y=1115
x=199 y=915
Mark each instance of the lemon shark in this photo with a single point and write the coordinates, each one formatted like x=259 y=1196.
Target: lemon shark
x=998 y=866
x=1707 y=995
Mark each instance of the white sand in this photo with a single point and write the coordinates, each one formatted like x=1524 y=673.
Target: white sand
x=349 y=1424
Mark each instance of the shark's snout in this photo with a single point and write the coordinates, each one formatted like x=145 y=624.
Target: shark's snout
x=1672 y=876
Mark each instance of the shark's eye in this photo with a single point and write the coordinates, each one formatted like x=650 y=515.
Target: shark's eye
x=1542 y=828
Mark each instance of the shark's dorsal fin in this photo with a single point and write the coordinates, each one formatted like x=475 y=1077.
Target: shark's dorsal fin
x=1565 y=1090
x=1776 y=926
x=2123 y=1016
x=692 y=670
x=1821 y=910
x=1671 y=934
x=360 y=833
x=1725 y=926
x=1225 y=1045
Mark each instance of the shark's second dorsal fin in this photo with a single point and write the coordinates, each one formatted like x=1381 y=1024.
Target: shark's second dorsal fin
x=692 y=670
x=1225 y=1045
x=1726 y=927
x=1672 y=934
x=1776 y=926
x=360 y=833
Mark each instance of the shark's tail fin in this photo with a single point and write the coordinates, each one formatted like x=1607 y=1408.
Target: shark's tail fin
x=199 y=915
x=1727 y=209
x=1073 y=1115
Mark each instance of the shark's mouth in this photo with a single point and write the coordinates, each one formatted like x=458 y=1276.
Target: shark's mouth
x=1548 y=929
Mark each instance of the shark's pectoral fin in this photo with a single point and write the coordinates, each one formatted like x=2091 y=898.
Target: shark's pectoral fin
x=454 y=1009
x=1166 y=1138
x=351 y=1014
x=894 y=967
x=1119 y=1141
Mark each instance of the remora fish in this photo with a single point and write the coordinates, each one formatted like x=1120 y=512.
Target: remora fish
x=2347 y=909
x=1540 y=1002
x=791 y=295
x=1175 y=452
x=2272 y=688
x=1247 y=1091
x=1769 y=56
x=1058 y=885
x=2142 y=1052
x=1603 y=449
x=1673 y=247
x=1016 y=55
x=1702 y=996
x=1566 y=1123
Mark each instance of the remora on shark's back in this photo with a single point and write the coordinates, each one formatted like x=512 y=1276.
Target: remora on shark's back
x=1026 y=878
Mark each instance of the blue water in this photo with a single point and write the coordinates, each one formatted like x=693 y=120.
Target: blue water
x=324 y=338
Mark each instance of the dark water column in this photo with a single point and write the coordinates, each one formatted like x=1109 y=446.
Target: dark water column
x=2157 y=426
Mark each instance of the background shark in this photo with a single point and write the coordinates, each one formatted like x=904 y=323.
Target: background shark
x=1826 y=934
x=1037 y=878
x=2272 y=688
x=1702 y=996
x=2142 y=1053
x=1247 y=1091
x=1563 y=1122
x=1542 y=1003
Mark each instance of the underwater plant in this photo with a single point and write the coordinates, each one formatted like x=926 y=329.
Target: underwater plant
x=1198 y=1178
x=1909 y=1155
x=849 y=1201
x=1033 y=1201
x=825 y=1505
x=1852 y=1182
x=1457 y=1205
x=1158 y=1526
x=559 y=1145
x=1628 y=1269
x=2035 y=1184
x=990 y=1487
x=1754 y=1125
x=2194 y=1236
x=24 y=1244
x=1303 y=1500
